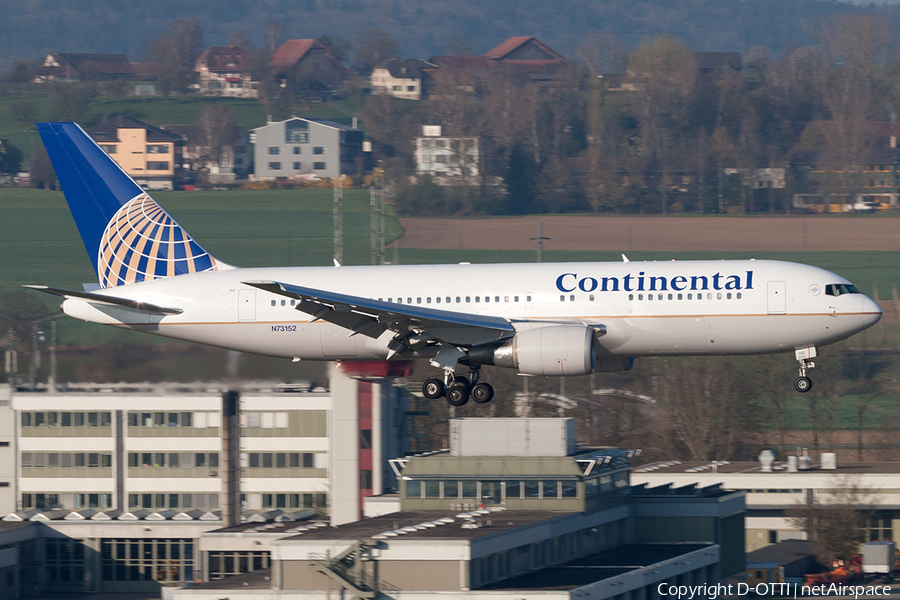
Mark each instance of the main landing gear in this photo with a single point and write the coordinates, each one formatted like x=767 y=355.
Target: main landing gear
x=804 y=355
x=457 y=388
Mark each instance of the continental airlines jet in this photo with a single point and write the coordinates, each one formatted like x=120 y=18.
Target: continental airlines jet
x=540 y=319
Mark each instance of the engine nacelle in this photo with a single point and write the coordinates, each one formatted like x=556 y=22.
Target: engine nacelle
x=552 y=350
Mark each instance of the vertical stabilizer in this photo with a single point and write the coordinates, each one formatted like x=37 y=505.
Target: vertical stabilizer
x=128 y=236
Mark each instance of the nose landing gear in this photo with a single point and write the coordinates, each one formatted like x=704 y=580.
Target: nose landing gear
x=804 y=355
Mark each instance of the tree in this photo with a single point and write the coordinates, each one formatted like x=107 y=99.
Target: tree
x=834 y=520
x=218 y=128
x=71 y=100
x=338 y=48
x=10 y=158
x=176 y=52
x=851 y=48
x=373 y=46
x=273 y=34
x=459 y=46
x=663 y=71
x=42 y=173
x=521 y=182
x=23 y=112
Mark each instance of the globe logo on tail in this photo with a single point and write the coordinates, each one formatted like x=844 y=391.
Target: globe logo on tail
x=142 y=242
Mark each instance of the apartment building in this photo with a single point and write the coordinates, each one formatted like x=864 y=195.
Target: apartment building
x=150 y=155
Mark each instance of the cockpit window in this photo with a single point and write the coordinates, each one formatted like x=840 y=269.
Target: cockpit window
x=837 y=289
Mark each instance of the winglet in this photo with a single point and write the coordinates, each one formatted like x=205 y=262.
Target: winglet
x=625 y=258
x=336 y=263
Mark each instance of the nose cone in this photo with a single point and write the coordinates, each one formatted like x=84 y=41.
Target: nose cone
x=871 y=312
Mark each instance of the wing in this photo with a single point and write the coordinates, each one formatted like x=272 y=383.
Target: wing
x=104 y=299
x=373 y=317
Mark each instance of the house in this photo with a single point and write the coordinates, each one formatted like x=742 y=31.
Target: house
x=225 y=71
x=824 y=182
x=66 y=66
x=403 y=77
x=446 y=157
x=310 y=61
x=303 y=147
x=198 y=154
x=150 y=155
x=525 y=59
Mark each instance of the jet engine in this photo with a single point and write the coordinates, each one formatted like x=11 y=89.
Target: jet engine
x=551 y=350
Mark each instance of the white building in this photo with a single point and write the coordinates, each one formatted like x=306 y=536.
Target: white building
x=446 y=157
x=770 y=493
x=407 y=78
x=98 y=475
x=307 y=147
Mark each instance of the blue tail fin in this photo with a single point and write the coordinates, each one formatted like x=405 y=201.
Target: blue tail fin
x=128 y=236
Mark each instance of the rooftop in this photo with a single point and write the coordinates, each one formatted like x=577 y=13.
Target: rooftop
x=782 y=553
x=751 y=467
x=596 y=567
x=431 y=525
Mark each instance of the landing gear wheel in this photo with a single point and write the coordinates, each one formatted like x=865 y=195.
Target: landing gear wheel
x=803 y=384
x=458 y=392
x=433 y=388
x=482 y=393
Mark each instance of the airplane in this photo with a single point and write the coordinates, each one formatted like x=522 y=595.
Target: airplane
x=556 y=319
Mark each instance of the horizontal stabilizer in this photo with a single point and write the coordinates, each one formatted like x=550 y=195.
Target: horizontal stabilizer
x=103 y=298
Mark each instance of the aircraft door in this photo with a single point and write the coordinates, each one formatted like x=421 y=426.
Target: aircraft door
x=777 y=298
x=246 y=305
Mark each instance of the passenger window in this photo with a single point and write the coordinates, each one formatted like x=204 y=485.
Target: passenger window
x=649 y=296
x=457 y=299
x=448 y=299
x=293 y=302
x=631 y=296
x=690 y=296
x=728 y=296
x=659 y=297
x=670 y=296
x=284 y=302
x=719 y=296
x=390 y=299
x=506 y=298
x=738 y=295
x=497 y=299
x=515 y=298
x=477 y=298
x=572 y=298
x=709 y=295
x=428 y=300
x=273 y=303
x=679 y=296
x=437 y=299
x=640 y=296
x=487 y=298
x=591 y=297
x=409 y=300
x=562 y=298
x=527 y=298
x=418 y=301
x=468 y=299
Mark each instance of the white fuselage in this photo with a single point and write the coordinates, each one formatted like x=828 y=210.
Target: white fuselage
x=647 y=308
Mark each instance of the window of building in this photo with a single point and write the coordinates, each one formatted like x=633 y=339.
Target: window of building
x=298 y=166
x=274 y=150
x=159 y=165
x=274 y=166
x=158 y=149
x=136 y=560
x=296 y=149
x=108 y=148
x=513 y=489
x=318 y=166
x=296 y=131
